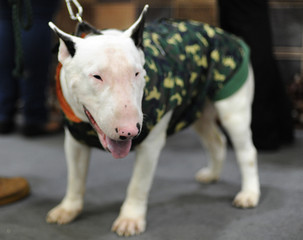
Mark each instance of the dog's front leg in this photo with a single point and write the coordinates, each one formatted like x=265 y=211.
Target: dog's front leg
x=131 y=219
x=77 y=157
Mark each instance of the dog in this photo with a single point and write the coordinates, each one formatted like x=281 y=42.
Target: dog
x=124 y=90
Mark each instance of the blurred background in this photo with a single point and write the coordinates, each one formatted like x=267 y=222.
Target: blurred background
x=286 y=20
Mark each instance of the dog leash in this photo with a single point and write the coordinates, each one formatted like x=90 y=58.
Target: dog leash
x=73 y=16
x=82 y=27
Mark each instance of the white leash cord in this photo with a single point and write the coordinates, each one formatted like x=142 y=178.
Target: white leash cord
x=72 y=15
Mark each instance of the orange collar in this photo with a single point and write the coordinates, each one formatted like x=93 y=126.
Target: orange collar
x=69 y=113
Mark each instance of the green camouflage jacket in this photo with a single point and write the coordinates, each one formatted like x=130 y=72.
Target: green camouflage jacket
x=186 y=62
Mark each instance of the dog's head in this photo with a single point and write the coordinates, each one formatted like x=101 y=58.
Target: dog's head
x=103 y=81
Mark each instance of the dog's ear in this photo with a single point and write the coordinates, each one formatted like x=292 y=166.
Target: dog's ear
x=136 y=30
x=67 y=43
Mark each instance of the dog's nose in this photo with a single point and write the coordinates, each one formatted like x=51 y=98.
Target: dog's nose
x=128 y=132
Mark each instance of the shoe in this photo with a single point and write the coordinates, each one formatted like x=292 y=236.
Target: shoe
x=35 y=130
x=7 y=127
x=13 y=189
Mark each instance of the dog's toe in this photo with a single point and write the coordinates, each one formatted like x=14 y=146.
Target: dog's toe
x=245 y=199
x=60 y=215
x=205 y=175
x=128 y=227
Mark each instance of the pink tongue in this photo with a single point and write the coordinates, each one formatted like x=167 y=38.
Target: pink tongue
x=119 y=149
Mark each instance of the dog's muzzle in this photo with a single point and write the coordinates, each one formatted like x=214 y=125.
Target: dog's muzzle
x=118 y=148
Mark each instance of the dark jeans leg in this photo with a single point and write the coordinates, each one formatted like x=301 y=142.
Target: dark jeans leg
x=37 y=54
x=8 y=85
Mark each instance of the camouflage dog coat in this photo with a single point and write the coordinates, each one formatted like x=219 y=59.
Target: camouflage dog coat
x=186 y=62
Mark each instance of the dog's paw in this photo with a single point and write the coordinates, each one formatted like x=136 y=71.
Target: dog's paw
x=124 y=226
x=245 y=199
x=205 y=175
x=60 y=215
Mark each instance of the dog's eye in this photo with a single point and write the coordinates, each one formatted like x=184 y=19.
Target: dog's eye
x=97 y=77
x=137 y=73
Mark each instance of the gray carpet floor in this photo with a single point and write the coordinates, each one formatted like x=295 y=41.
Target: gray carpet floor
x=179 y=207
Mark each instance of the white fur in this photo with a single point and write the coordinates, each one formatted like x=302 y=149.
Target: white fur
x=119 y=87
x=131 y=219
x=96 y=55
x=77 y=158
x=235 y=115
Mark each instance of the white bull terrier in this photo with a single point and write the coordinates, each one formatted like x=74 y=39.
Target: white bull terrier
x=130 y=89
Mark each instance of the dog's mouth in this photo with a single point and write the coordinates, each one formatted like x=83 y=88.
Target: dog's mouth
x=118 y=149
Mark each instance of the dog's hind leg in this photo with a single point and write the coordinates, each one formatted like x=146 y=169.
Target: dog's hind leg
x=214 y=143
x=77 y=157
x=235 y=115
x=131 y=219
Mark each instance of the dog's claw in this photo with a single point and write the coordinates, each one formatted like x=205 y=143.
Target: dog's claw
x=245 y=199
x=128 y=227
